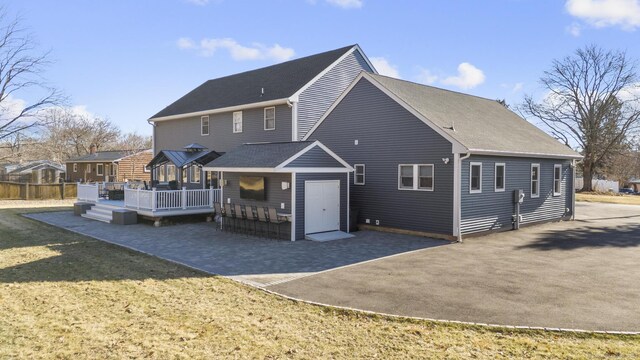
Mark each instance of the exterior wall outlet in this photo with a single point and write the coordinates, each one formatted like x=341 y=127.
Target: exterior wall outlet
x=228 y=200
x=377 y=222
x=281 y=205
x=367 y=221
x=355 y=142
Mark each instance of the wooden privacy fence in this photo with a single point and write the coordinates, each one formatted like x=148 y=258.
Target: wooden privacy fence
x=26 y=191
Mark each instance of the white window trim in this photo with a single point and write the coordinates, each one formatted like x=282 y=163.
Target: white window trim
x=202 y=120
x=471 y=165
x=416 y=177
x=537 y=195
x=504 y=177
x=355 y=174
x=146 y=169
x=557 y=166
x=98 y=172
x=274 y=118
x=233 y=124
x=75 y=167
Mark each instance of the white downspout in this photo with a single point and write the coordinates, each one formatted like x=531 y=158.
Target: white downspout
x=458 y=189
x=574 y=163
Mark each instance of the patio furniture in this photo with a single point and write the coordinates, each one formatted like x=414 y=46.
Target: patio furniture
x=262 y=218
x=230 y=215
x=251 y=217
x=221 y=214
x=275 y=219
x=240 y=215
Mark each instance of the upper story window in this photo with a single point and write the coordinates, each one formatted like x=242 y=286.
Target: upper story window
x=535 y=180
x=204 y=125
x=237 y=122
x=75 y=167
x=270 y=118
x=475 y=178
x=100 y=169
x=358 y=176
x=499 y=181
x=557 y=180
x=415 y=177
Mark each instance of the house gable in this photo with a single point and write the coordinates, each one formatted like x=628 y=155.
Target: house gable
x=315 y=157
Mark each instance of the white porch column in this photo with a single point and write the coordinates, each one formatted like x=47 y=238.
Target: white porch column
x=154 y=200
x=184 y=198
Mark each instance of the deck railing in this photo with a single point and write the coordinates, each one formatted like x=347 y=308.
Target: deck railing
x=88 y=192
x=158 y=200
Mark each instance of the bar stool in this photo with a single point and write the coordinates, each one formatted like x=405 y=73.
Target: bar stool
x=229 y=214
x=221 y=214
x=238 y=214
x=275 y=219
x=249 y=215
x=262 y=217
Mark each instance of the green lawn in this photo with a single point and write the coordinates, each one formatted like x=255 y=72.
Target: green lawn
x=64 y=295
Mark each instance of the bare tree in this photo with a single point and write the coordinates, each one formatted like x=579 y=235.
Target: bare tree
x=592 y=103
x=21 y=69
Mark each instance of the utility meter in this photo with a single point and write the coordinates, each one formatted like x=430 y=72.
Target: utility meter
x=518 y=196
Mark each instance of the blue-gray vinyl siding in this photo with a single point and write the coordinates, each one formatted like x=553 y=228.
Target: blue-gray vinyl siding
x=300 y=194
x=317 y=98
x=275 y=196
x=175 y=134
x=491 y=210
x=389 y=135
x=316 y=157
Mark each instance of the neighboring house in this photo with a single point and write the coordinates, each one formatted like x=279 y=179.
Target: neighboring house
x=425 y=160
x=438 y=162
x=111 y=166
x=34 y=172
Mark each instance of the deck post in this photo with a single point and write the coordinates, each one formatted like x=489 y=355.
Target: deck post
x=184 y=197
x=153 y=199
x=138 y=198
x=211 y=196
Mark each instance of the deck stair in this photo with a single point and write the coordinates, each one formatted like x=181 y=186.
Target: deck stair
x=101 y=212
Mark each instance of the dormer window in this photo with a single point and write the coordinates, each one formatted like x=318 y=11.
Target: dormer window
x=270 y=118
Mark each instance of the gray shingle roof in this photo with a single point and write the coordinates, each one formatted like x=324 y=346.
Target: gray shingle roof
x=279 y=81
x=265 y=155
x=182 y=158
x=480 y=124
x=102 y=156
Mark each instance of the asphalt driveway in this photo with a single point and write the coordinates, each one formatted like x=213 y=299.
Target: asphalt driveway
x=579 y=275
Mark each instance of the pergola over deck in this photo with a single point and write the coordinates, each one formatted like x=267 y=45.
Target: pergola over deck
x=192 y=155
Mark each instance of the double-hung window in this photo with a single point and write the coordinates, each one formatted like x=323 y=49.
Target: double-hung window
x=475 y=178
x=499 y=180
x=171 y=173
x=204 y=125
x=237 y=122
x=100 y=169
x=416 y=177
x=358 y=176
x=195 y=174
x=557 y=180
x=535 y=180
x=270 y=118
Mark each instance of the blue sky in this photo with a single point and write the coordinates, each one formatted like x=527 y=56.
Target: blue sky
x=128 y=59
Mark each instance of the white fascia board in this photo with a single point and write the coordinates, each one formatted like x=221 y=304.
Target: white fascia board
x=523 y=154
x=274 y=170
x=221 y=110
x=311 y=146
x=296 y=155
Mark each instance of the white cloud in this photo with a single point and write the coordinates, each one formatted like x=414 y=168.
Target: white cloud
x=346 y=4
x=427 y=77
x=630 y=93
x=208 y=47
x=11 y=107
x=468 y=77
x=574 y=29
x=384 y=67
x=517 y=87
x=185 y=43
x=604 y=13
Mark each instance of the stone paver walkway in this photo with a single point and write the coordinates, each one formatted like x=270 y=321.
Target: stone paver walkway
x=257 y=261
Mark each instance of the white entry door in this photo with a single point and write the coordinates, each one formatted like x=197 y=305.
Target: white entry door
x=321 y=206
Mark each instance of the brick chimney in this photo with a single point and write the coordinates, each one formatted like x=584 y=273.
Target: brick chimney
x=92 y=149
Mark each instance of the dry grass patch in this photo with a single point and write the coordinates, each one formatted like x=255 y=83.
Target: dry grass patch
x=63 y=295
x=611 y=199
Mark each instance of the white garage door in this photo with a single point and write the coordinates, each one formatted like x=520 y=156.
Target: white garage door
x=321 y=206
